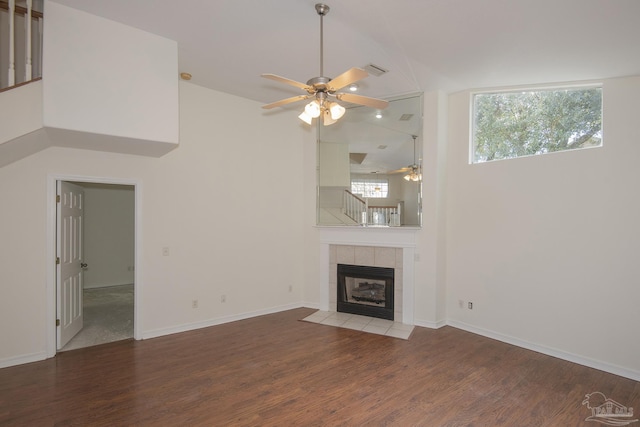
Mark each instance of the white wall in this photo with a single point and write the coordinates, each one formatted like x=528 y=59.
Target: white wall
x=206 y=201
x=109 y=213
x=547 y=247
x=430 y=269
x=334 y=159
x=20 y=113
x=106 y=87
x=106 y=78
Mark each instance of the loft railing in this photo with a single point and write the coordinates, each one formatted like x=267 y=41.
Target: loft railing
x=384 y=215
x=359 y=210
x=20 y=42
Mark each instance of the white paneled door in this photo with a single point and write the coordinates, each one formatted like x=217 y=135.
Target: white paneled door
x=70 y=261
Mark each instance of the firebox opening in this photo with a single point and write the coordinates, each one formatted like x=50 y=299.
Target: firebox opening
x=365 y=290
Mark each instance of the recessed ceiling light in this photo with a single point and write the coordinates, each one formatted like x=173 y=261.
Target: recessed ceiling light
x=382 y=147
x=353 y=87
x=378 y=115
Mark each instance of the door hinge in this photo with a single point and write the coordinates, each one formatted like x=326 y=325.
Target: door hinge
x=57 y=260
x=57 y=322
x=57 y=198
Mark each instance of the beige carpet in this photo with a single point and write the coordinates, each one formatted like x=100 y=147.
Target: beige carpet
x=108 y=317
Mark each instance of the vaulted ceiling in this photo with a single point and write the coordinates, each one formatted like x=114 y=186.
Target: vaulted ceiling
x=425 y=45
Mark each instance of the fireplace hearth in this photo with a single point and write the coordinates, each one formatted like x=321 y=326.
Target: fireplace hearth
x=365 y=290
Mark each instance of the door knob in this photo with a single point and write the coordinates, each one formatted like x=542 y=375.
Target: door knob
x=83 y=265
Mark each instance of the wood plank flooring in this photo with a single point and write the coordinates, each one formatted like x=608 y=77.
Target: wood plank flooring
x=275 y=370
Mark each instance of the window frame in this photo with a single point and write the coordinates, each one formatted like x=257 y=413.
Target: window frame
x=383 y=181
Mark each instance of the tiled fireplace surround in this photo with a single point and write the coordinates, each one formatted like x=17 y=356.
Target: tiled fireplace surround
x=369 y=247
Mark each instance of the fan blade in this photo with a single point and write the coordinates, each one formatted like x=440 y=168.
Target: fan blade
x=362 y=100
x=346 y=78
x=286 y=101
x=287 y=81
x=401 y=170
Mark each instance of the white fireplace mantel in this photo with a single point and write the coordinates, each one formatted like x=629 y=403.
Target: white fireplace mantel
x=392 y=237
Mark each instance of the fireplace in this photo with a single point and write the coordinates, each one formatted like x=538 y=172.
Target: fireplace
x=364 y=290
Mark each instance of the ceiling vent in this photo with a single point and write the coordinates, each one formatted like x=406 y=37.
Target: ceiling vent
x=375 y=70
x=405 y=117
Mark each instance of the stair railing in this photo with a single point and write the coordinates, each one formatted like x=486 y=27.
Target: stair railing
x=359 y=210
x=354 y=207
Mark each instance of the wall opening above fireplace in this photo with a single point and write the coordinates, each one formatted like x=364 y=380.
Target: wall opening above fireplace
x=364 y=290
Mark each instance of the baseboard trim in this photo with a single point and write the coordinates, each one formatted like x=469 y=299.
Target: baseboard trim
x=21 y=360
x=108 y=286
x=311 y=305
x=154 y=333
x=431 y=325
x=570 y=357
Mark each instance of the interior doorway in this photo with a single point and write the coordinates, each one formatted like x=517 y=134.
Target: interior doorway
x=105 y=253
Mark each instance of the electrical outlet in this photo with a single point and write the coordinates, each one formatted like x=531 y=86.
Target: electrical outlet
x=470 y=305
x=165 y=251
x=223 y=298
x=461 y=303
x=194 y=303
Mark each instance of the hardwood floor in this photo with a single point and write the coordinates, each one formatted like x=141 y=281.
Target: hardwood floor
x=277 y=371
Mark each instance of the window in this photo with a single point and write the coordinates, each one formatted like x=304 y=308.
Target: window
x=524 y=123
x=370 y=187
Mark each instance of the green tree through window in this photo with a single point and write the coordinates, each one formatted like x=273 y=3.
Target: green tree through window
x=524 y=123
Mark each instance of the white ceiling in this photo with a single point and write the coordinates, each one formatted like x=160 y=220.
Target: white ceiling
x=426 y=45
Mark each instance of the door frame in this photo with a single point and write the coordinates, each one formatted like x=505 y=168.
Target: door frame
x=52 y=179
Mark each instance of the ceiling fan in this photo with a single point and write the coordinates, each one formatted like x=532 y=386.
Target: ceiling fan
x=413 y=169
x=324 y=89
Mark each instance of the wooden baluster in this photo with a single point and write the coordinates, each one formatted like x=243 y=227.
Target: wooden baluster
x=27 y=38
x=12 y=66
x=349 y=205
x=366 y=209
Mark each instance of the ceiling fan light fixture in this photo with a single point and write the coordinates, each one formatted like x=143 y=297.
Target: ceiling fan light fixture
x=313 y=109
x=327 y=120
x=337 y=110
x=305 y=118
x=321 y=87
x=413 y=176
